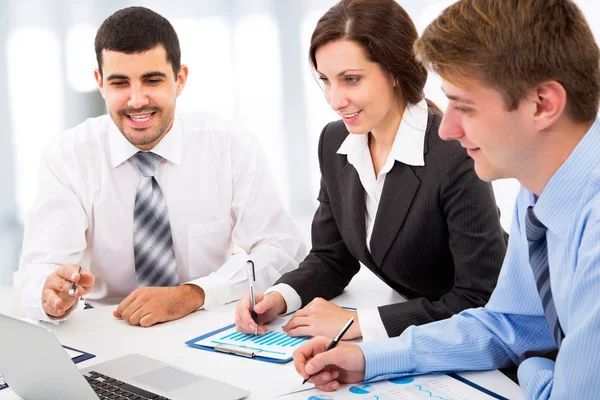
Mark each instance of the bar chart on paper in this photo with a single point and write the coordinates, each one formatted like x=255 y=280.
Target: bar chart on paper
x=274 y=344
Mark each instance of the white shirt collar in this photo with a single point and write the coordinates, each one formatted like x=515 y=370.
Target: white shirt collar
x=169 y=147
x=409 y=144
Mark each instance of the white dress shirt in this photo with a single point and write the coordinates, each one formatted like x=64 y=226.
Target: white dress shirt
x=408 y=149
x=219 y=192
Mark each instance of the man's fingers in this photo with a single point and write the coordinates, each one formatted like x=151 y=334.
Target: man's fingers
x=124 y=304
x=81 y=291
x=148 y=320
x=86 y=280
x=59 y=284
x=69 y=272
x=51 y=307
x=136 y=316
x=325 y=377
x=130 y=309
x=328 y=387
x=322 y=360
x=300 y=358
x=54 y=304
x=306 y=351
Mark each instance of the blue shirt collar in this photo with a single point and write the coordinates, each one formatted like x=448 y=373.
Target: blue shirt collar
x=557 y=203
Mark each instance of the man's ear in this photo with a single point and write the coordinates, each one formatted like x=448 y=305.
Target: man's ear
x=551 y=100
x=181 y=78
x=98 y=77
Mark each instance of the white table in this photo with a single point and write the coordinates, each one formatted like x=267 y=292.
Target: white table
x=97 y=332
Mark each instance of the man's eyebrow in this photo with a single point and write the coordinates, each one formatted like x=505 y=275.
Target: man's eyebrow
x=117 y=76
x=457 y=98
x=147 y=75
x=154 y=74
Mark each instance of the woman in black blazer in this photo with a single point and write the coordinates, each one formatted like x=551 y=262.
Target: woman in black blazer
x=393 y=196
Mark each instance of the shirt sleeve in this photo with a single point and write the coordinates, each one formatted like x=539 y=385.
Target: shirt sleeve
x=371 y=324
x=476 y=339
x=261 y=226
x=292 y=299
x=54 y=233
x=535 y=377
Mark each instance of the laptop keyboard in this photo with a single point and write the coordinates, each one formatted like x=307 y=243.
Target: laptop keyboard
x=113 y=389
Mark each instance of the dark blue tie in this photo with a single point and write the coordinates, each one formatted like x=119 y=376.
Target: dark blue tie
x=538 y=258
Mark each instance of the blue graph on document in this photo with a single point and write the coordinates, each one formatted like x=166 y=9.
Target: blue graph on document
x=272 y=342
x=271 y=338
x=430 y=393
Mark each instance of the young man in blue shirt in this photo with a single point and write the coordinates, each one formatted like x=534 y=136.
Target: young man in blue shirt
x=523 y=80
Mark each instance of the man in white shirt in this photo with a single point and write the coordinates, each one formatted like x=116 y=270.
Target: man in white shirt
x=132 y=204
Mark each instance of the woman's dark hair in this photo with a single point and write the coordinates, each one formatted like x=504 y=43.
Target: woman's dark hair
x=386 y=33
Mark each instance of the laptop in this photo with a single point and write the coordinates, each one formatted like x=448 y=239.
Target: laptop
x=36 y=366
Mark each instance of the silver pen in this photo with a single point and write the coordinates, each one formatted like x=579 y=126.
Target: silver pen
x=251 y=279
x=73 y=287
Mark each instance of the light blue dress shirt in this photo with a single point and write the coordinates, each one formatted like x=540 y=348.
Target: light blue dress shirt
x=512 y=327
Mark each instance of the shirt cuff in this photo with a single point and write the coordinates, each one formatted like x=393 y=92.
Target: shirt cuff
x=530 y=367
x=371 y=325
x=292 y=299
x=216 y=290
x=385 y=359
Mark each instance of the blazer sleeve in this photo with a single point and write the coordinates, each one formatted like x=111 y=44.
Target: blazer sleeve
x=329 y=266
x=477 y=243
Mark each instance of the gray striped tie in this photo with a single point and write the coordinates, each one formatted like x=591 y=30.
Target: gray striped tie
x=538 y=258
x=152 y=241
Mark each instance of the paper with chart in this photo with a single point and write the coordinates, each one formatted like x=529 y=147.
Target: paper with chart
x=274 y=344
x=428 y=387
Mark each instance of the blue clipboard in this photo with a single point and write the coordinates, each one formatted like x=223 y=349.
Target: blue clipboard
x=194 y=343
x=81 y=357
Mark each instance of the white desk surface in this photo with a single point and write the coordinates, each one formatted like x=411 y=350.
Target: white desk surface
x=97 y=332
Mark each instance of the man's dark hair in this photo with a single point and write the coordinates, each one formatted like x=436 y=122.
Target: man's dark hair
x=136 y=30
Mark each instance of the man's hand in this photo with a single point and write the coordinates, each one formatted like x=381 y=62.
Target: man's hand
x=55 y=294
x=146 y=306
x=345 y=363
x=267 y=307
x=321 y=317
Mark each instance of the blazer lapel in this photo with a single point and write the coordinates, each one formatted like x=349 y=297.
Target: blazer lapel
x=353 y=212
x=399 y=189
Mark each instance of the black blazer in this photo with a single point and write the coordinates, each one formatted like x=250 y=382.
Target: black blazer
x=436 y=240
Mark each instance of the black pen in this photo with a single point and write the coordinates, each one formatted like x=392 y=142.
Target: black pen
x=335 y=341
x=73 y=287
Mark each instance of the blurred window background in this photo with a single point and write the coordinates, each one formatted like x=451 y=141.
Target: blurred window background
x=247 y=59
